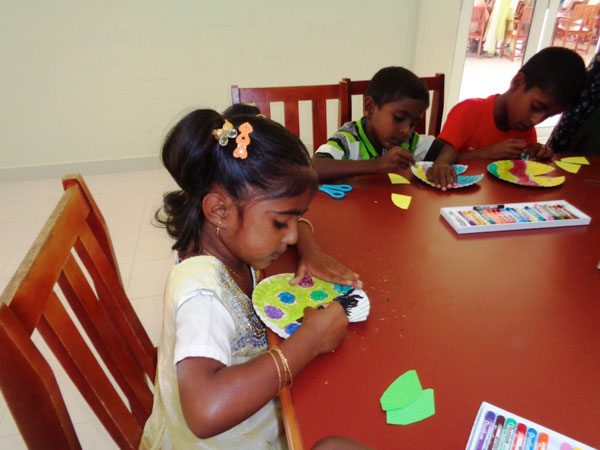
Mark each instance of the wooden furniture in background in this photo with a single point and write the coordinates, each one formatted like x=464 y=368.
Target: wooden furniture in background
x=578 y=26
x=72 y=266
x=436 y=107
x=318 y=95
x=477 y=27
x=517 y=33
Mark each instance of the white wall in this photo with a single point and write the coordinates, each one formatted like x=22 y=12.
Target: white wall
x=441 y=42
x=87 y=81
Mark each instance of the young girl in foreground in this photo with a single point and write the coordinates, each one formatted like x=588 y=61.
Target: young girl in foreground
x=244 y=186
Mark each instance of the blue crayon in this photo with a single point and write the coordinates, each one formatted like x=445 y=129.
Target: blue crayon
x=530 y=439
x=466 y=218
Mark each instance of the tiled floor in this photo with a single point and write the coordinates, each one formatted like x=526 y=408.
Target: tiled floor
x=128 y=201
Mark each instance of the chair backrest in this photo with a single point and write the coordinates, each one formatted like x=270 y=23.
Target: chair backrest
x=68 y=288
x=478 y=21
x=436 y=107
x=290 y=96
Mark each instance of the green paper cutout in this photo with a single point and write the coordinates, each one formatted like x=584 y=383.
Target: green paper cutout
x=403 y=391
x=422 y=408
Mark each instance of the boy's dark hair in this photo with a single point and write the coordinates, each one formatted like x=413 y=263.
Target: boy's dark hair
x=278 y=165
x=239 y=109
x=557 y=71
x=395 y=83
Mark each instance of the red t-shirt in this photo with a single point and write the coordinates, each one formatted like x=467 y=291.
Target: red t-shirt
x=470 y=125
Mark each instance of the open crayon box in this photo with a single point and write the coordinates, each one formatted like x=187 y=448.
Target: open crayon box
x=513 y=216
x=497 y=428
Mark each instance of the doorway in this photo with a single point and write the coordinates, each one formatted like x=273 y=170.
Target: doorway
x=504 y=33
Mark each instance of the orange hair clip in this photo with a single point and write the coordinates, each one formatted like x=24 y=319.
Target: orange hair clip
x=243 y=141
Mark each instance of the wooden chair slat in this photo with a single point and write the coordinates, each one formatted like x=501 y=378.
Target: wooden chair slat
x=264 y=97
x=65 y=341
x=91 y=285
x=107 y=339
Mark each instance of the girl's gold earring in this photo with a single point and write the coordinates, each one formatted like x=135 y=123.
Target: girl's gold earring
x=218 y=228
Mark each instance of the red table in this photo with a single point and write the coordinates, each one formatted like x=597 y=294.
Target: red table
x=511 y=318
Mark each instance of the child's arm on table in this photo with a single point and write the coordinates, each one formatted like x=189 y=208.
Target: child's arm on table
x=394 y=159
x=312 y=260
x=215 y=397
x=442 y=173
x=507 y=149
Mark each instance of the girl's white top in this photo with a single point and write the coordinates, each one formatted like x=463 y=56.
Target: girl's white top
x=207 y=315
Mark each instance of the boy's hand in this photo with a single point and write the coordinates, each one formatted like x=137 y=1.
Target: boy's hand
x=442 y=175
x=539 y=152
x=394 y=159
x=326 y=327
x=323 y=266
x=507 y=149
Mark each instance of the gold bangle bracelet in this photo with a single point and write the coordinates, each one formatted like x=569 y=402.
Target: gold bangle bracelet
x=279 y=385
x=307 y=222
x=286 y=367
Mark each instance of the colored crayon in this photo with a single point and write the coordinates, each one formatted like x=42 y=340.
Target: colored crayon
x=552 y=212
x=508 y=435
x=543 y=212
x=460 y=221
x=486 y=430
x=533 y=212
x=542 y=443
x=519 y=437
x=464 y=216
x=497 y=435
x=530 y=439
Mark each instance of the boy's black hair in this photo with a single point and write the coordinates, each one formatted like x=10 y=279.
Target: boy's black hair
x=278 y=165
x=239 y=109
x=557 y=71
x=395 y=83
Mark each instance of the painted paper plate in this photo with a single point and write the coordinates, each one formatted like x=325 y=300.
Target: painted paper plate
x=525 y=173
x=281 y=306
x=421 y=168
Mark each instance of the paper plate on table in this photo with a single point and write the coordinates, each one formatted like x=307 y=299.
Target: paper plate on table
x=525 y=173
x=421 y=168
x=281 y=306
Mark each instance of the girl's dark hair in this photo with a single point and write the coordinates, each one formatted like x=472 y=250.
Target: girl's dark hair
x=395 y=83
x=278 y=165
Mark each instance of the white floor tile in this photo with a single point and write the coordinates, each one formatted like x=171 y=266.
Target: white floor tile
x=148 y=278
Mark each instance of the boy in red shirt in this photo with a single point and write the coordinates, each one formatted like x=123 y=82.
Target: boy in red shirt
x=502 y=126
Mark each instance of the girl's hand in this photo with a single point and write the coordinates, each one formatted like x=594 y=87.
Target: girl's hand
x=394 y=159
x=326 y=327
x=323 y=266
x=442 y=175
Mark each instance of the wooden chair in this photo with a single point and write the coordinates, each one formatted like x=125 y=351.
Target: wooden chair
x=318 y=95
x=477 y=28
x=436 y=109
x=578 y=26
x=516 y=33
x=71 y=265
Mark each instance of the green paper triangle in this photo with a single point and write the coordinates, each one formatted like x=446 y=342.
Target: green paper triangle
x=403 y=391
x=422 y=408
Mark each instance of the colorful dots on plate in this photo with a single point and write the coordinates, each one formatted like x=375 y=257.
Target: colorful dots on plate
x=273 y=312
x=318 y=295
x=286 y=297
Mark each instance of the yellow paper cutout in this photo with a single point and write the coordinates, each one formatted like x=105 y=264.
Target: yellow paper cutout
x=576 y=160
x=397 y=179
x=548 y=181
x=401 y=201
x=569 y=167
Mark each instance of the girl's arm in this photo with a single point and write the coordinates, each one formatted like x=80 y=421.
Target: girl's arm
x=215 y=397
